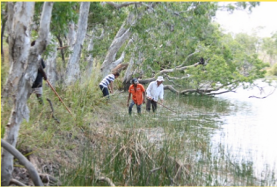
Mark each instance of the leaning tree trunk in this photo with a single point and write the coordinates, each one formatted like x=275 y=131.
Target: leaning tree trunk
x=22 y=73
x=128 y=75
x=122 y=35
x=73 y=67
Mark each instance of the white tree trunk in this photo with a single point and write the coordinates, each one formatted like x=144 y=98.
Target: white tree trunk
x=71 y=36
x=89 y=57
x=128 y=74
x=122 y=35
x=73 y=66
x=51 y=64
x=22 y=73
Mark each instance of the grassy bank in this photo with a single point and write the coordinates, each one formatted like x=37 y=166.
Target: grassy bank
x=100 y=144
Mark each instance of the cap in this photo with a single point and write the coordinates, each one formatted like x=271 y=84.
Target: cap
x=135 y=81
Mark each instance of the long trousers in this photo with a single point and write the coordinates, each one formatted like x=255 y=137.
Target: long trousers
x=105 y=91
x=131 y=106
x=150 y=103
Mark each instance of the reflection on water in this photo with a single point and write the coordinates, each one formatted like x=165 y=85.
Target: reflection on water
x=249 y=131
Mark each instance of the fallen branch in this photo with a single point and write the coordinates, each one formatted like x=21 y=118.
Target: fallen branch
x=125 y=4
x=48 y=179
x=108 y=180
x=18 y=183
x=50 y=103
x=23 y=160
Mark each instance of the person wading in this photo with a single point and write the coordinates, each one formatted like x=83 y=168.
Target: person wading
x=138 y=96
x=154 y=91
x=106 y=83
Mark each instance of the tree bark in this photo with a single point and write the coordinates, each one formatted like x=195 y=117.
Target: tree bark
x=128 y=75
x=73 y=66
x=122 y=35
x=23 y=72
x=89 y=58
x=2 y=33
x=71 y=36
x=51 y=64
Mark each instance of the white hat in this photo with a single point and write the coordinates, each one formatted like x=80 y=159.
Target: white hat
x=160 y=78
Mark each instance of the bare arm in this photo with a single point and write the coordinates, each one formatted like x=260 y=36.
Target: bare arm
x=128 y=99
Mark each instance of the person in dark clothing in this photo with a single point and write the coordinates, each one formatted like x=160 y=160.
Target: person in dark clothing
x=37 y=85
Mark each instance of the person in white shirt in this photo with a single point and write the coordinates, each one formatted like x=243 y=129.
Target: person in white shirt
x=154 y=91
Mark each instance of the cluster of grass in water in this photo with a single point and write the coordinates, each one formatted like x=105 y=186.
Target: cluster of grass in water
x=164 y=149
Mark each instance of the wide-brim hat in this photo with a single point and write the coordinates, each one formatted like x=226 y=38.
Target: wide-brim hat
x=160 y=78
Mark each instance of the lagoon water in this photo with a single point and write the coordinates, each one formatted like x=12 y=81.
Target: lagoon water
x=249 y=131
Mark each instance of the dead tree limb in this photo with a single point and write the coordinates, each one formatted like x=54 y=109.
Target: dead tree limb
x=108 y=180
x=23 y=160
x=52 y=114
x=264 y=96
x=125 y=4
x=187 y=58
x=18 y=183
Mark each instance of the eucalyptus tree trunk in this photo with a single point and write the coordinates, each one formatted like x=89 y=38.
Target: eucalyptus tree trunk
x=71 y=36
x=73 y=66
x=23 y=71
x=128 y=74
x=3 y=26
x=89 y=57
x=51 y=64
x=121 y=37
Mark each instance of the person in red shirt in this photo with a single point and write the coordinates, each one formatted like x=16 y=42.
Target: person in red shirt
x=138 y=92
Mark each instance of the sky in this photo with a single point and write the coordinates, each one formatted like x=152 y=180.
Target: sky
x=240 y=21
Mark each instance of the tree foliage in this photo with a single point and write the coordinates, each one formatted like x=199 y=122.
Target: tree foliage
x=171 y=36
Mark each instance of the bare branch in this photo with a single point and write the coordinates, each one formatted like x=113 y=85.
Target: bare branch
x=125 y=4
x=49 y=179
x=50 y=103
x=177 y=69
x=264 y=96
x=176 y=78
x=18 y=183
x=108 y=180
x=218 y=93
x=150 y=7
x=101 y=36
x=200 y=91
x=145 y=81
x=197 y=51
x=23 y=160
